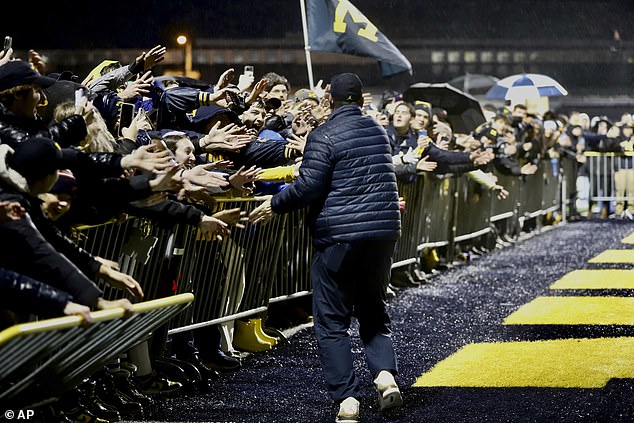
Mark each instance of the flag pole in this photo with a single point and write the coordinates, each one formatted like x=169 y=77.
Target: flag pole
x=309 y=64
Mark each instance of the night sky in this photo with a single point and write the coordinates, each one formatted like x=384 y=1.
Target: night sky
x=137 y=24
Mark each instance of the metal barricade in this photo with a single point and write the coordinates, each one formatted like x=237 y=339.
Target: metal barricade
x=231 y=278
x=473 y=209
x=49 y=357
x=568 y=190
x=531 y=187
x=551 y=196
x=295 y=258
x=611 y=178
x=505 y=213
x=438 y=204
x=242 y=274
x=412 y=221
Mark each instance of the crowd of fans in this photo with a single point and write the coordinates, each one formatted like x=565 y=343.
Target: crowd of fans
x=123 y=141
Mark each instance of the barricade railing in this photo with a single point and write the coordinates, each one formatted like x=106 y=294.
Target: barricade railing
x=611 y=176
x=232 y=277
x=473 y=210
x=295 y=257
x=505 y=213
x=412 y=221
x=44 y=358
x=568 y=167
x=457 y=209
x=242 y=274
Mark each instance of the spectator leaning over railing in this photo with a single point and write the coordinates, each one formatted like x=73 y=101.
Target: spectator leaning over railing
x=25 y=172
x=408 y=148
x=22 y=295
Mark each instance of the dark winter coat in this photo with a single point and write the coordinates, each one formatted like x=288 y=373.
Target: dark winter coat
x=22 y=294
x=25 y=250
x=13 y=129
x=348 y=180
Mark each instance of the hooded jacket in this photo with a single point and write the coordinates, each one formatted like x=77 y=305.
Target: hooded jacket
x=348 y=180
x=25 y=250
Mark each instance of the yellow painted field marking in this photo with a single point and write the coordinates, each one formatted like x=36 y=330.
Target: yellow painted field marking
x=575 y=311
x=596 y=279
x=628 y=239
x=565 y=363
x=614 y=256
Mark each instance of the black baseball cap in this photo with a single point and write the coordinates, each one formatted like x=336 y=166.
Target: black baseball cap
x=35 y=158
x=346 y=87
x=18 y=72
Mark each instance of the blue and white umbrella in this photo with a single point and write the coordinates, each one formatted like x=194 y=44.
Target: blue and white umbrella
x=526 y=85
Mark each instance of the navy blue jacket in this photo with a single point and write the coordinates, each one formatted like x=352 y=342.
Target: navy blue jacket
x=348 y=180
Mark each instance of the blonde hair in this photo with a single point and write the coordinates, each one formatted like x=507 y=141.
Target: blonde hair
x=99 y=138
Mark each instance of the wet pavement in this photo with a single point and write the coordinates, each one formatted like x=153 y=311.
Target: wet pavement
x=462 y=305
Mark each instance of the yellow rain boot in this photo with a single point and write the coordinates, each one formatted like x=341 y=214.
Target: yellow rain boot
x=257 y=322
x=431 y=258
x=245 y=338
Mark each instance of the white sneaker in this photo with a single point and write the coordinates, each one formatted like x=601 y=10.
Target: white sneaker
x=389 y=394
x=348 y=411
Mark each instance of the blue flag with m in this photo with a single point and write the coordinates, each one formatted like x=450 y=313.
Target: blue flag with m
x=338 y=26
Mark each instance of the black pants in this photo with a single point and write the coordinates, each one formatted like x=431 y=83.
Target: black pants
x=350 y=280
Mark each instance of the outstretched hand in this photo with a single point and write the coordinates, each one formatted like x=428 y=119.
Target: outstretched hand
x=480 y=158
x=202 y=175
x=11 y=211
x=152 y=57
x=148 y=159
x=213 y=228
x=229 y=138
x=528 y=169
x=244 y=176
x=502 y=193
x=425 y=165
x=263 y=213
x=257 y=90
x=6 y=57
x=137 y=88
x=225 y=79
x=232 y=217
x=296 y=143
x=120 y=280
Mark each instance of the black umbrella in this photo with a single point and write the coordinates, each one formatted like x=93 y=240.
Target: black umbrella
x=474 y=83
x=463 y=111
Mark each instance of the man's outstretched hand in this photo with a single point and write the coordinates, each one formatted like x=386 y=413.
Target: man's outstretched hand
x=263 y=213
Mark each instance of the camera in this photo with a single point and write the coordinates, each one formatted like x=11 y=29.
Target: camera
x=500 y=148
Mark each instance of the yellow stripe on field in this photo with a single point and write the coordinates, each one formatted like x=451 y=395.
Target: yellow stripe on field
x=596 y=279
x=575 y=311
x=628 y=239
x=562 y=363
x=614 y=256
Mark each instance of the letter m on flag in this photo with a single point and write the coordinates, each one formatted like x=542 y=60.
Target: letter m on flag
x=338 y=26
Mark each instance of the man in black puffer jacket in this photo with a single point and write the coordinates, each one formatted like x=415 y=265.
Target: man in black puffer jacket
x=348 y=182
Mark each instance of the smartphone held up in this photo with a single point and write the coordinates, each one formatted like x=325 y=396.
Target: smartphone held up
x=8 y=42
x=125 y=116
